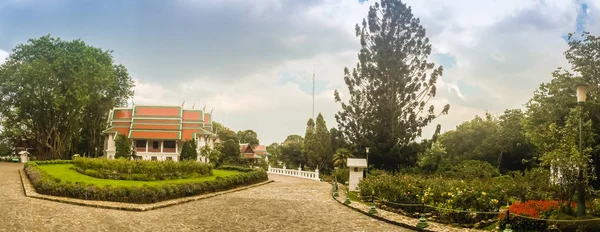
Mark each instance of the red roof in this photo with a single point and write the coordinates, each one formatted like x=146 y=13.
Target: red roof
x=159 y=122
x=157 y=111
x=249 y=152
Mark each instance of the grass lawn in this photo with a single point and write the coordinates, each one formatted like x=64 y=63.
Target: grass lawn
x=65 y=173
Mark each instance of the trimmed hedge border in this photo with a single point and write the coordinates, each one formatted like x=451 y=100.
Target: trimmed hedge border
x=48 y=185
x=143 y=170
x=30 y=192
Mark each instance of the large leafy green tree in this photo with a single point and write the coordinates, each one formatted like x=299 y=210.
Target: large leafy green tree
x=213 y=155
x=391 y=85
x=473 y=140
x=516 y=151
x=548 y=112
x=248 y=136
x=291 y=151
x=274 y=150
x=230 y=145
x=59 y=92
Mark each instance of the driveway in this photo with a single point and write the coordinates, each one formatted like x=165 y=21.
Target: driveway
x=288 y=204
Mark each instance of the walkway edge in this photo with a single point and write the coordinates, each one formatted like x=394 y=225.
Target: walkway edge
x=404 y=225
x=30 y=192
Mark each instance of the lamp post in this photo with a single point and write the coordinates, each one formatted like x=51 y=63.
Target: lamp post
x=581 y=96
x=367 y=149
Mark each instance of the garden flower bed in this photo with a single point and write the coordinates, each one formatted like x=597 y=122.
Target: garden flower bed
x=476 y=203
x=58 y=178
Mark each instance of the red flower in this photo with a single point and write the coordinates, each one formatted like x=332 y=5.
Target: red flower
x=532 y=208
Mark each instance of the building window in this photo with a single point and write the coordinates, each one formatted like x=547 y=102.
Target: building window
x=155 y=145
x=140 y=143
x=153 y=158
x=169 y=144
x=169 y=158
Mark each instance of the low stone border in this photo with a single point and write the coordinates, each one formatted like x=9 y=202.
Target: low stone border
x=30 y=192
x=394 y=218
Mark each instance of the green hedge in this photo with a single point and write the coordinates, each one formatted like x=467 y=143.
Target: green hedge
x=46 y=184
x=237 y=168
x=44 y=162
x=123 y=169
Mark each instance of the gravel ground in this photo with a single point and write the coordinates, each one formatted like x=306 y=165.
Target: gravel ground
x=289 y=204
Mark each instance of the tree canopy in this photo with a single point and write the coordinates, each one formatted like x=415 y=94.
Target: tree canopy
x=248 y=136
x=59 y=93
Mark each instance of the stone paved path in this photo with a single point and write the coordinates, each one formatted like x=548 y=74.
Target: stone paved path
x=288 y=204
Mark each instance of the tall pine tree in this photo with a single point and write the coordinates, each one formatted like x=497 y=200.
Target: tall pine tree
x=310 y=144
x=390 y=86
x=323 y=152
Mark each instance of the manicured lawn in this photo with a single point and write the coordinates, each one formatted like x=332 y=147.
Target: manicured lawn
x=65 y=173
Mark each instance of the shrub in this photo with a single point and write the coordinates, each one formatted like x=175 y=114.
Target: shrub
x=46 y=184
x=472 y=169
x=341 y=175
x=140 y=169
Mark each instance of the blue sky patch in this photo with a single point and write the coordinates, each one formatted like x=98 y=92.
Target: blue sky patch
x=303 y=80
x=582 y=16
x=445 y=59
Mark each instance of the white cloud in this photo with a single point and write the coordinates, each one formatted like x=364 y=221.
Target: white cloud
x=3 y=56
x=504 y=49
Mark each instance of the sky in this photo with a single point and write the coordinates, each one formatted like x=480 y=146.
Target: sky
x=251 y=62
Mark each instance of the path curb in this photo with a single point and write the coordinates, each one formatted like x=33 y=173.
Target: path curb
x=404 y=225
x=30 y=192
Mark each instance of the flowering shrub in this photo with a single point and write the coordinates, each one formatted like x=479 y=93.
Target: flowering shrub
x=535 y=209
x=476 y=195
x=542 y=209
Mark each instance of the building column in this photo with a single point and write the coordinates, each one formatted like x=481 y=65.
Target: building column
x=147 y=141
x=161 y=146
x=176 y=150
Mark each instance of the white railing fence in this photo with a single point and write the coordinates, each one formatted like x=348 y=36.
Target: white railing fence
x=295 y=173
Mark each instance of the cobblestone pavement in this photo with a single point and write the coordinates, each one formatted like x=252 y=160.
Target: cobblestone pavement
x=288 y=204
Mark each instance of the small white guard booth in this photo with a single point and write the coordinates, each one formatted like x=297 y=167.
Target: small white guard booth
x=355 y=168
x=24 y=156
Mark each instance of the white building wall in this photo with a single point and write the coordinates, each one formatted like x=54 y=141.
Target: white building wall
x=356 y=174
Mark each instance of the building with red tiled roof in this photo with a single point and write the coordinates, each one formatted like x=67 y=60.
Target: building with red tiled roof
x=158 y=132
x=256 y=152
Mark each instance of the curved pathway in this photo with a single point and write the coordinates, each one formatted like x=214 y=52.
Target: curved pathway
x=288 y=204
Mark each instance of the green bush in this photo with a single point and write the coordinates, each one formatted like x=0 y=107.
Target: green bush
x=341 y=175
x=471 y=169
x=46 y=184
x=124 y=169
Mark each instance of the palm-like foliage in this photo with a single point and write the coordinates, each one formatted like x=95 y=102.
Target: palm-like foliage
x=340 y=158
